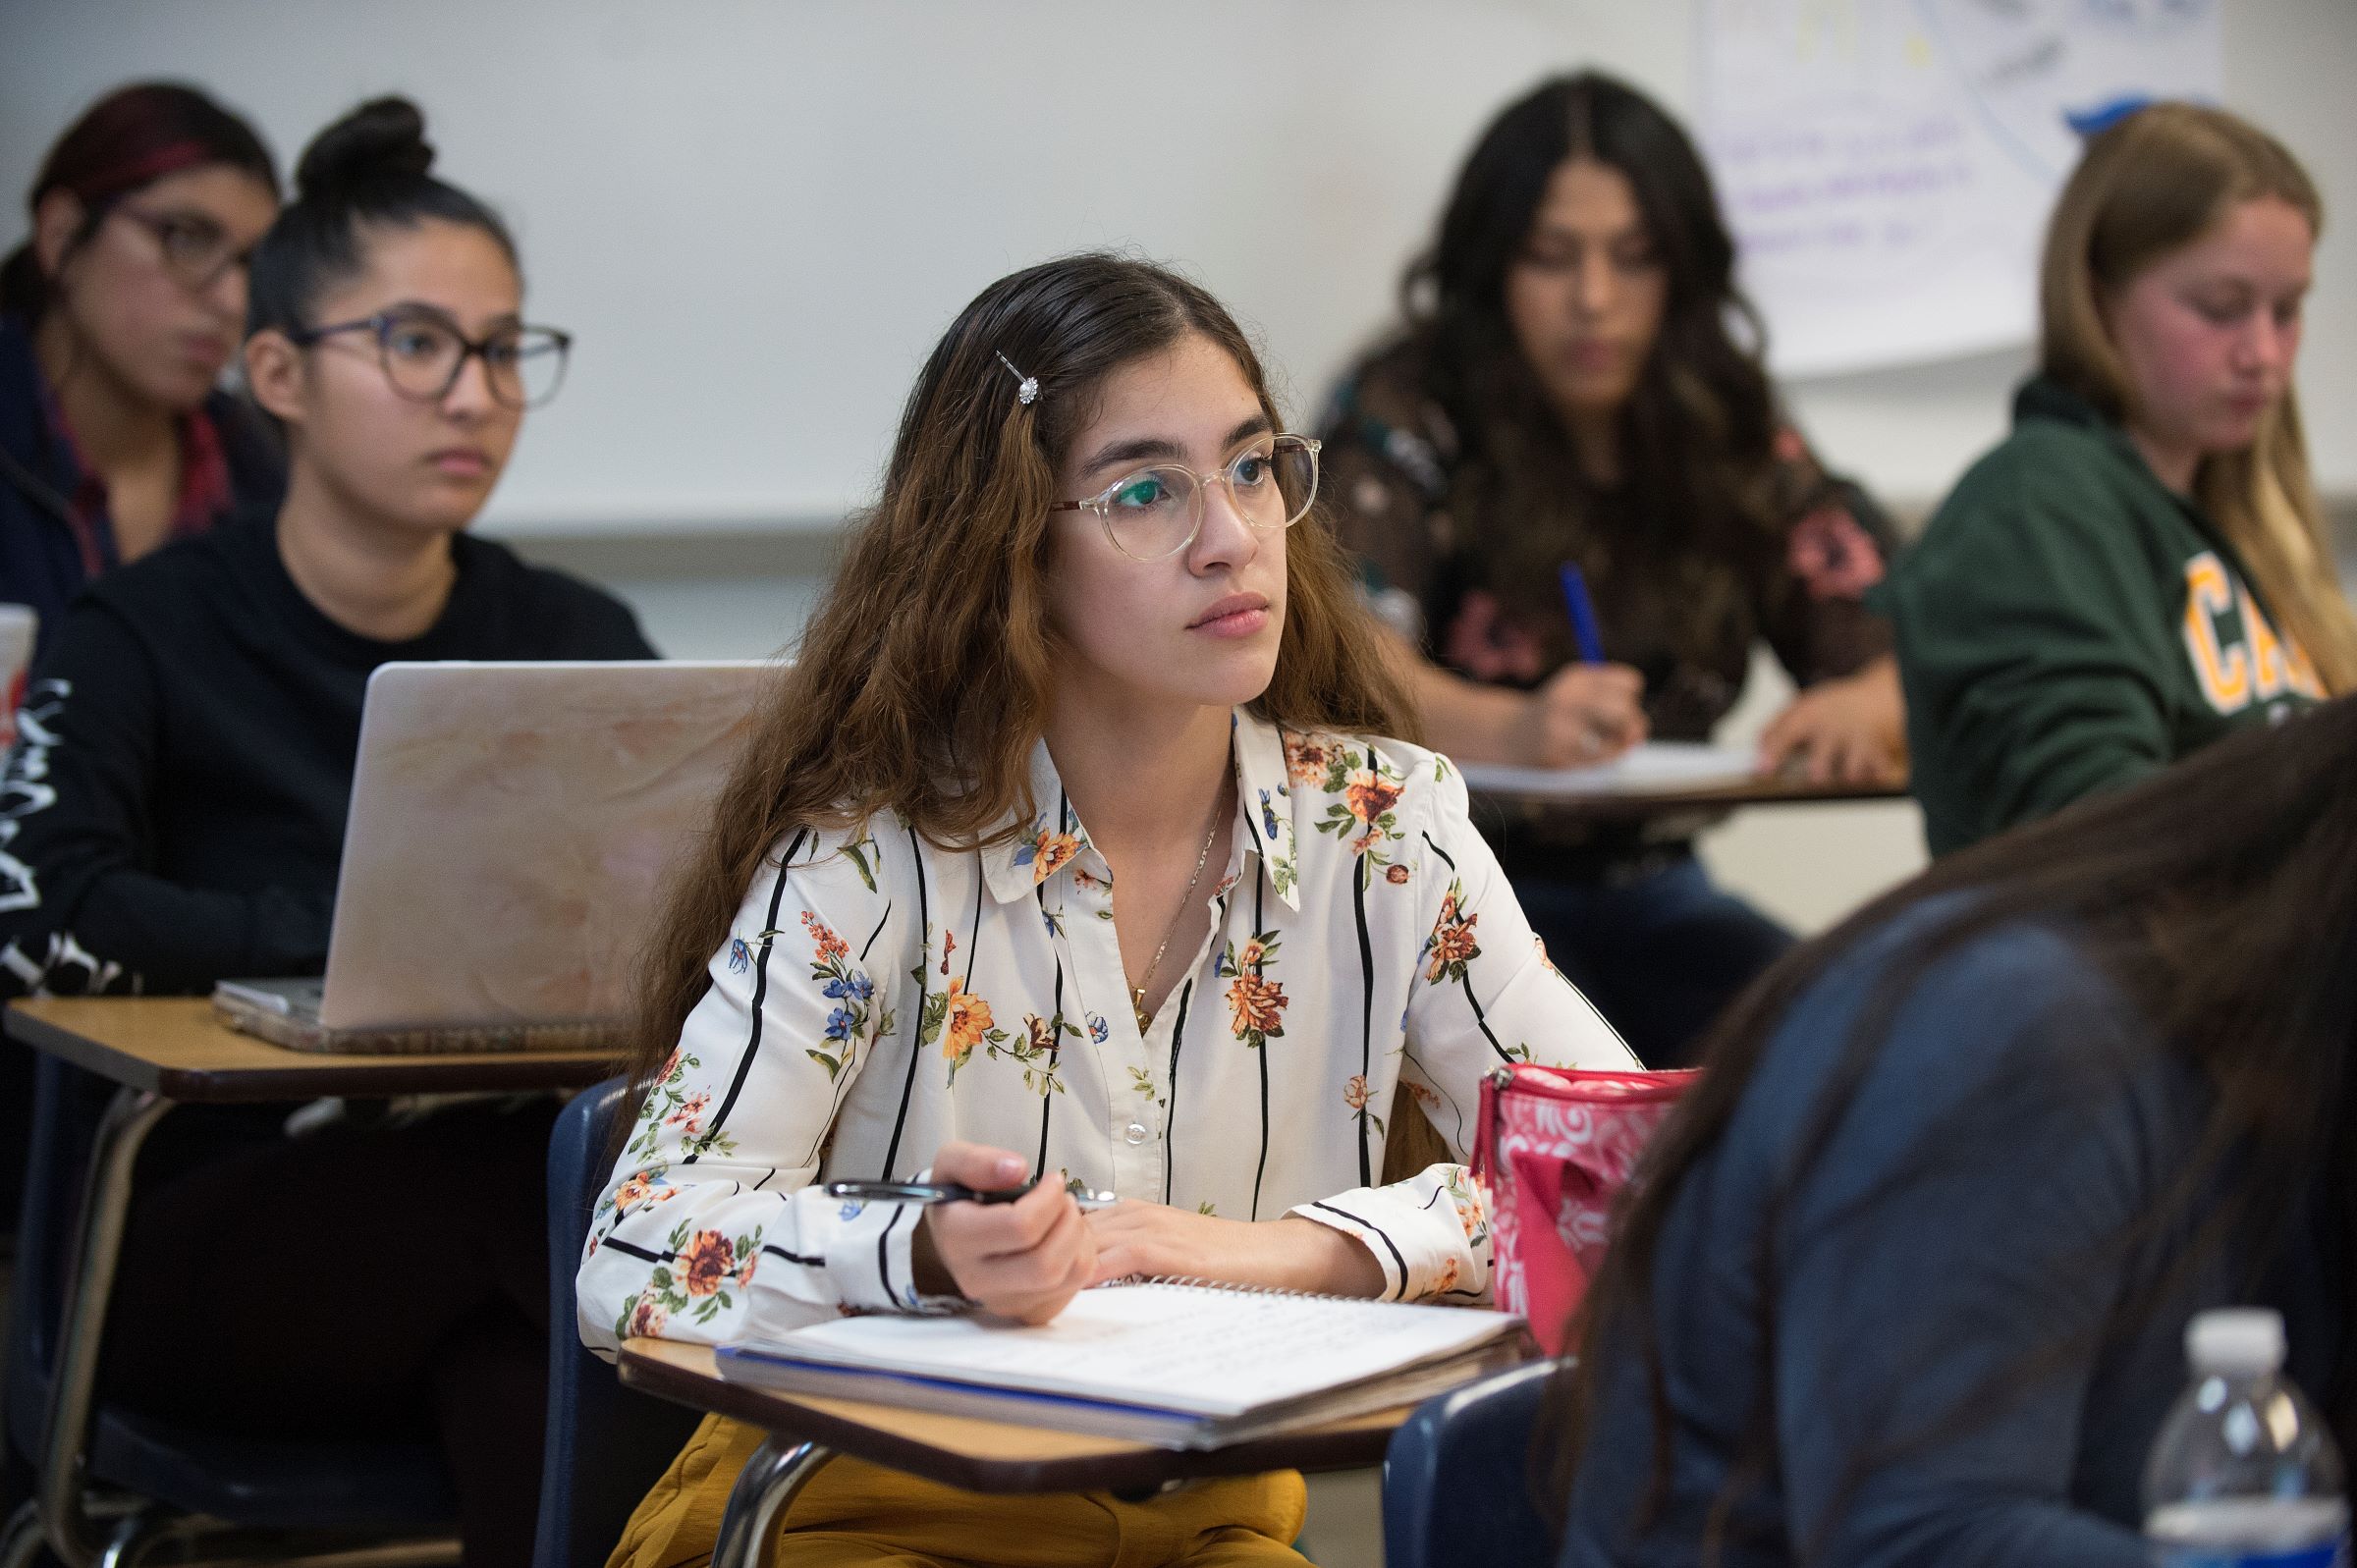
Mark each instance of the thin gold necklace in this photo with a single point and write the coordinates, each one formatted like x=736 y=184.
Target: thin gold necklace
x=1137 y=993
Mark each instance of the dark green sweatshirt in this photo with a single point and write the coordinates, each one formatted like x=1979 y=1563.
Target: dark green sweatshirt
x=2066 y=623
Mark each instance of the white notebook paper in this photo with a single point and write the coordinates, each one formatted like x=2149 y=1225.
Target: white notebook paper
x=1656 y=768
x=1207 y=1355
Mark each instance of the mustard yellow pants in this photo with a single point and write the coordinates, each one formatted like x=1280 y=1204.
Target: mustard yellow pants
x=854 y=1512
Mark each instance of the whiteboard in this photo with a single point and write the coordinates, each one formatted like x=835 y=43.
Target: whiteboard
x=757 y=215
x=1887 y=170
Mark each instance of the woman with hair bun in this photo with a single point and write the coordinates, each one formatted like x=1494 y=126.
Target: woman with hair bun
x=194 y=731
x=117 y=314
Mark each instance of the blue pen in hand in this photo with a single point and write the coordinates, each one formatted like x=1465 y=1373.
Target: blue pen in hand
x=1582 y=612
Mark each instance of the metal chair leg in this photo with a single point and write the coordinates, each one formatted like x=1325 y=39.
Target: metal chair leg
x=22 y=1539
x=98 y=1245
x=779 y=1469
x=133 y=1536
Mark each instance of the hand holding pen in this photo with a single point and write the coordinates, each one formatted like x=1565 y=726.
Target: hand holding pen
x=1593 y=710
x=1018 y=1248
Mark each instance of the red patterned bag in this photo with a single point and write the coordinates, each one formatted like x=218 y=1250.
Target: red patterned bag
x=1556 y=1144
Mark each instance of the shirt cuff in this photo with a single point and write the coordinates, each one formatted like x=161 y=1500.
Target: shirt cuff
x=1421 y=1251
x=867 y=1251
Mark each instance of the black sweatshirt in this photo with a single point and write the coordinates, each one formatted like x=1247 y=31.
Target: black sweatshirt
x=173 y=813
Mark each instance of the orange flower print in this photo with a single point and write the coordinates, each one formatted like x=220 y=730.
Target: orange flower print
x=949 y=945
x=706 y=1262
x=649 y=1318
x=690 y=1118
x=1396 y=875
x=1306 y=761
x=1039 y=1034
x=1420 y=1094
x=1369 y=795
x=829 y=945
x=1354 y=1093
x=1054 y=850
x=1452 y=944
x=1835 y=557
x=641 y=1188
x=1253 y=957
x=1258 y=1005
x=1447 y=1278
x=964 y=1022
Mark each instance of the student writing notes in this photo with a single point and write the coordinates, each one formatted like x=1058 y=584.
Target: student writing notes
x=1909 y=1276
x=1570 y=389
x=1072 y=845
x=177 y=809
x=2141 y=567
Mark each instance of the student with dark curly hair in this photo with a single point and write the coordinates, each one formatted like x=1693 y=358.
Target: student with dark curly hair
x=1576 y=385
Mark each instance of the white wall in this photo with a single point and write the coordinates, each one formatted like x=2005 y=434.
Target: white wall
x=758 y=214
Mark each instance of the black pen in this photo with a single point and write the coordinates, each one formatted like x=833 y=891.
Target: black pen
x=931 y=1192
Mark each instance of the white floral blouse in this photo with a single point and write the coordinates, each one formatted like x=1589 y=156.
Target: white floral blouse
x=881 y=995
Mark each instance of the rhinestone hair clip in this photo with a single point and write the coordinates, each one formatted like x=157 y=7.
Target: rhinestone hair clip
x=1026 y=386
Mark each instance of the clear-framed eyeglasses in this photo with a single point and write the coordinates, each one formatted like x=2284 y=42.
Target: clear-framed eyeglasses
x=1153 y=514
x=423 y=354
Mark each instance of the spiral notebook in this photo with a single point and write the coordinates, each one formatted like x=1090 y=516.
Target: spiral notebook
x=1179 y=1364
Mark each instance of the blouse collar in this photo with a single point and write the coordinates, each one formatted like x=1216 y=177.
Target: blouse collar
x=1055 y=843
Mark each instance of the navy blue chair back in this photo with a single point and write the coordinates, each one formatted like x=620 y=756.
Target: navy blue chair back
x=606 y=1445
x=1455 y=1480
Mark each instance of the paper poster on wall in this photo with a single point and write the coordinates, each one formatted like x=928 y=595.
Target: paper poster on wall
x=1888 y=165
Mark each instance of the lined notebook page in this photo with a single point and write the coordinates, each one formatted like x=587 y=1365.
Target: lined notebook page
x=1176 y=1347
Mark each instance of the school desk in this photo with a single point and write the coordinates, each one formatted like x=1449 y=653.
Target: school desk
x=805 y=1431
x=164 y=1053
x=1604 y=807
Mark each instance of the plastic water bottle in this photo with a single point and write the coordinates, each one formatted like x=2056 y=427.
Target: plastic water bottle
x=2244 y=1472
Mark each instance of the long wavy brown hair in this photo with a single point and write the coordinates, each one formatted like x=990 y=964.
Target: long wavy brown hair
x=1697 y=439
x=925 y=675
x=2155 y=182
x=2219 y=897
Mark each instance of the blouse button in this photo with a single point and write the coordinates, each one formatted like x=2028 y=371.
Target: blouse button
x=1135 y=1132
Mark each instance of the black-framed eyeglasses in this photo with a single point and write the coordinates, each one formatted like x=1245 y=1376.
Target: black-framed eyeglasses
x=196 y=250
x=1154 y=512
x=425 y=352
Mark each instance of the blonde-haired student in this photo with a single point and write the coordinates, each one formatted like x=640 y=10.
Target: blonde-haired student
x=2141 y=565
x=1071 y=848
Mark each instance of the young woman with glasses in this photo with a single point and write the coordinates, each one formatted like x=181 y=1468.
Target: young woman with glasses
x=116 y=316
x=1071 y=848
x=174 y=816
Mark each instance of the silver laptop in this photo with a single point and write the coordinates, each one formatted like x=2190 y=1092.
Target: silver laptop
x=510 y=831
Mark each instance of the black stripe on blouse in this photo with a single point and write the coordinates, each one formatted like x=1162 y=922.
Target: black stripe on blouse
x=1170 y=1111
x=924 y=968
x=1366 y=1012
x=1398 y=1262
x=752 y=1043
x=1261 y=1169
